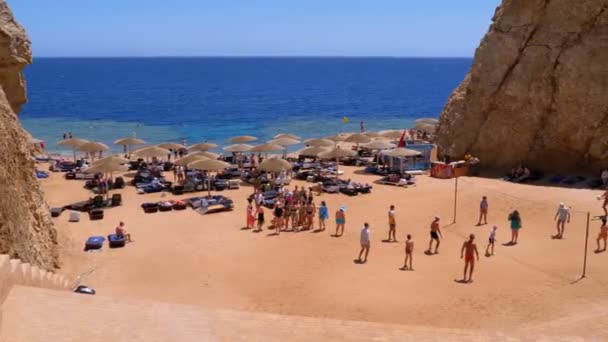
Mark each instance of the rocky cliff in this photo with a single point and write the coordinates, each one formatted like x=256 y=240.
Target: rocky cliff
x=26 y=231
x=537 y=91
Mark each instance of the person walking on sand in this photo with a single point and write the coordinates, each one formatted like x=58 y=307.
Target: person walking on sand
x=491 y=241
x=435 y=235
x=409 y=249
x=469 y=253
x=562 y=216
x=392 y=224
x=603 y=236
x=323 y=215
x=483 y=211
x=365 y=243
x=340 y=221
x=250 y=215
x=260 y=214
x=515 y=219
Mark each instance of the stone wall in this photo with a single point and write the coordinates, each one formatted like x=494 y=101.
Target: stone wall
x=537 y=91
x=26 y=231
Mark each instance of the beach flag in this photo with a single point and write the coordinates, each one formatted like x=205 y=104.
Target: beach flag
x=345 y=119
x=402 y=140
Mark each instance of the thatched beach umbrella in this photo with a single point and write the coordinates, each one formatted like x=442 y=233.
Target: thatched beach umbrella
x=358 y=138
x=243 y=139
x=337 y=153
x=392 y=133
x=207 y=154
x=184 y=161
x=429 y=121
x=379 y=145
x=238 y=148
x=73 y=143
x=92 y=147
x=425 y=127
x=339 y=137
x=268 y=147
x=285 y=141
x=107 y=168
x=209 y=165
x=202 y=147
x=128 y=142
x=151 y=151
x=320 y=142
x=111 y=160
x=275 y=165
x=313 y=150
x=287 y=135
x=34 y=141
x=171 y=146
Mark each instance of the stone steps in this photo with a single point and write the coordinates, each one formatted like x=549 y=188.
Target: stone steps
x=28 y=316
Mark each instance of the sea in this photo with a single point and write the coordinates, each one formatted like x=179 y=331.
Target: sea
x=213 y=99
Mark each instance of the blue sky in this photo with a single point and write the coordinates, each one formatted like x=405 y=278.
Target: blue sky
x=441 y=28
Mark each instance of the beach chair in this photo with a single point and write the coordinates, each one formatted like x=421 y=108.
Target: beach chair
x=165 y=206
x=150 y=207
x=74 y=216
x=55 y=212
x=179 y=205
x=96 y=214
x=116 y=200
x=116 y=241
x=94 y=242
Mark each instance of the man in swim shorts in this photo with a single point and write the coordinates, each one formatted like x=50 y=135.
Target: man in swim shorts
x=365 y=243
x=469 y=253
x=435 y=235
x=392 y=224
x=121 y=231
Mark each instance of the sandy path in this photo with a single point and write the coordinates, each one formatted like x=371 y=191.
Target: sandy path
x=189 y=258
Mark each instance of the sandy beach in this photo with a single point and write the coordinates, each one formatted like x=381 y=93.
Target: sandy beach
x=185 y=257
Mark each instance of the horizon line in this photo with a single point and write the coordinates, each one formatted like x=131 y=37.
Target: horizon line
x=266 y=56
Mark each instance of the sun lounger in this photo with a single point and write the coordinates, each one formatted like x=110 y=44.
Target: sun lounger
x=42 y=174
x=55 y=212
x=74 y=216
x=150 y=207
x=165 y=206
x=96 y=214
x=396 y=180
x=79 y=175
x=179 y=205
x=94 y=242
x=116 y=241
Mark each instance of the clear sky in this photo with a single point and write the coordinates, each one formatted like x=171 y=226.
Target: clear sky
x=442 y=28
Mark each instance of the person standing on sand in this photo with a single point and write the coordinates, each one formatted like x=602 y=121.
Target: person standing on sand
x=562 y=216
x=365 y=243
x=323 y=215
x=435 y=235
x=409 y=249
x=603 y=235
x=260 y=214
x=469 y=253
x=515 y=219
x=340 y=221
x=392 y=224
x=250 y=216
x=65 y=136
x=483 y=211
x=605 y=205
x=491 y=241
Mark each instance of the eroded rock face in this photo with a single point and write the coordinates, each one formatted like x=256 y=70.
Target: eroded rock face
x=537 y=92
x=26 y=231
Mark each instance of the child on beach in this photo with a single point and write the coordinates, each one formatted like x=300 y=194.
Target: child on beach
x=603 y=235
x=409 y=249
x=491 y=241
x=323 y=215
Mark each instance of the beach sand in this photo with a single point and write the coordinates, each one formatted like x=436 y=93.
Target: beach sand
x=210 y=260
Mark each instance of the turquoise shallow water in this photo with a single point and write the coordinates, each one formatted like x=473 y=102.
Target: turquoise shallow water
x=211 y=99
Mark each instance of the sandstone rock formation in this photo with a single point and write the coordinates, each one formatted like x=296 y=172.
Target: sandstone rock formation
x=537 y=92
x=26 y=231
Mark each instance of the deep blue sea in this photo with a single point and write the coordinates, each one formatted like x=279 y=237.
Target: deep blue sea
x=212 y=99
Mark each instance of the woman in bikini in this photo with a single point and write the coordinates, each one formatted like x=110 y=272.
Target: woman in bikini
x=310 y=214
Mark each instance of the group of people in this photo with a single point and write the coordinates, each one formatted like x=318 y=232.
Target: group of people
x=519 y=174
x=292 y=211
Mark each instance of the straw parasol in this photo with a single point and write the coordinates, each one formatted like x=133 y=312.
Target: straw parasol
x=275 y=165
x=238 y=148
x=287 y=135
x=129 y=141
x=379 y=145
x=402 y=152
x=429 y=121
x=184 y=161
x=171 y=146
x=151 y=151
x=73 y=143
x=202 y=147
x=358 y=138
x=284 y=141
x=35 y=141
x=207 y=154
x=111 y=160
x=425 y=127
x=107 y=168
x=392 y=133
x=243 y=139
x=209 y=165
x=92 y=147
x=268 y=147
x=313 y=150
x=336 y=153
x=320 y=142
x=339 y=137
